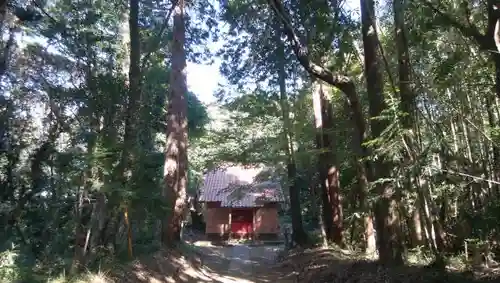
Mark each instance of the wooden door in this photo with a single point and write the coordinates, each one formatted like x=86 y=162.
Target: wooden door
x=242 y=222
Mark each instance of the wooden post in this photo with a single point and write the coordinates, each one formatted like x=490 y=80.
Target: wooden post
x=129 y=232
x=255 y=237
x=466 y=250
x=287 y=240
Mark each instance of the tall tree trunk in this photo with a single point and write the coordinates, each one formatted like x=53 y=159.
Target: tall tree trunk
x=364 y=173
x=484 y=147
x=298 y=233
x=407 y=96
x=416 y=226
x=326 y=208
x=494 y=121
x=134 y=78
x=408 y=107
x=9 y=45
x=110 y=225
x=344 y=84
x=175 y=171
x=3 y=14
x=84 y=224
x=328 y=169
x=386 y=219
x=131 y=43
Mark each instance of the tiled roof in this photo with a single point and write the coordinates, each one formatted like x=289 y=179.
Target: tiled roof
x=236 y=186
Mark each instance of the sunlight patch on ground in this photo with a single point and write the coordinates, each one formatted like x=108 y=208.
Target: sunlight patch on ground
x=203 y=244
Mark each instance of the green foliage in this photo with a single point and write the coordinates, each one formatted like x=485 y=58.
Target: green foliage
x=63 y=112
x=197 y=116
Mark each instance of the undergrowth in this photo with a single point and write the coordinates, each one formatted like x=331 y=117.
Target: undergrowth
x=332 y=264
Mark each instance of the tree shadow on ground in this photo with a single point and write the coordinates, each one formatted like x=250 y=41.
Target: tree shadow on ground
x=262 y=264
x=328 y=265
x=209 y=263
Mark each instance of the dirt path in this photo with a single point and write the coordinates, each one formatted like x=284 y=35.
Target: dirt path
x=202 y=262
x=238 y=263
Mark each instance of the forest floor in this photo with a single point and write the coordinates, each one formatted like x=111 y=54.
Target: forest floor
x=334 y=265
x=205 y=262
x=201 y=261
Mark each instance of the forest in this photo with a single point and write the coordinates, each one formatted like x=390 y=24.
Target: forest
x=382 y=122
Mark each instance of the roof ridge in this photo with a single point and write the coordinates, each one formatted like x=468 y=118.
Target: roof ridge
x=240 y=183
